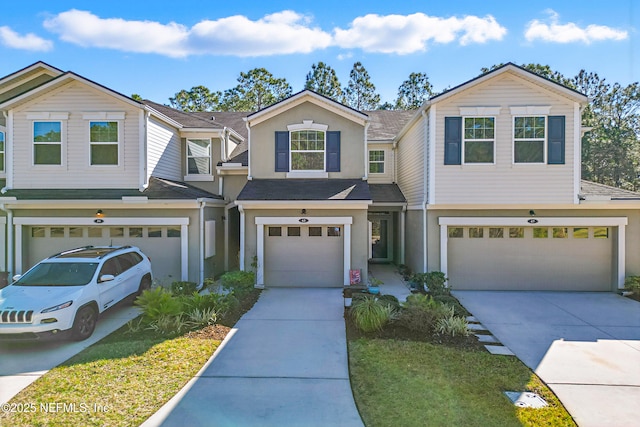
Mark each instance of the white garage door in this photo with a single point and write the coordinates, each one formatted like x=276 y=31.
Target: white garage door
x=161 y=244
x=304 y=256
x=531 y=258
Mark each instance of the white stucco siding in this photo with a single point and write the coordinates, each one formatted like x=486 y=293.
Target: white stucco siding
x=504 y=181
x=164 y=159
x=411 y=167
x=76 y=99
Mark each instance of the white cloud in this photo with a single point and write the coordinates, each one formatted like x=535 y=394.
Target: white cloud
x=404 y=34
x=279 y=33
x=30 y=41
x=570 y=32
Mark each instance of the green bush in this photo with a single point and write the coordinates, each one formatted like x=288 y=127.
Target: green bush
x=421 y=313
x=168 y=325
x=632 y=283
x=241 y=283
x=433 y=282
x=158 y=302
x=369 y=314
x=453 y=326
x=459 y=310
x=390 y=301
x=183 y=288
x=198 y=318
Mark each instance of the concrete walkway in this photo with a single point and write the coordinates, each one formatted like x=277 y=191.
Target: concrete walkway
x=21 y=363
x=284 y=364
x=392 y=281
x=584 y=345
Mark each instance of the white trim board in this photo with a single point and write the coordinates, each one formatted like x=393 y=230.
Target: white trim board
x=335 y=220
x=619 y=222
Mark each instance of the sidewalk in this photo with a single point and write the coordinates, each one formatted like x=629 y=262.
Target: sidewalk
x=284 y=364
x=393 y=283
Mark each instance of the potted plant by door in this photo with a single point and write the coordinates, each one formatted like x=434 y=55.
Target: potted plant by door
x=374 y=286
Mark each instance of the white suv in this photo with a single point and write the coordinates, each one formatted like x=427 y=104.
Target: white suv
x=65 y=293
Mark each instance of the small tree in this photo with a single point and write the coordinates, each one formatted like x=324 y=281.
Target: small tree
x=413 y=92
x=256 y=89
x=198 y=98
x=360 y=93
x=323 y=80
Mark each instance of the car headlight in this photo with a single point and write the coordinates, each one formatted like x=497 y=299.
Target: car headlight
x=57 y=307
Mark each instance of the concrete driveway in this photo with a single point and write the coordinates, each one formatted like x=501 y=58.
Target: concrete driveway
x=585 y=346
x=21 y=363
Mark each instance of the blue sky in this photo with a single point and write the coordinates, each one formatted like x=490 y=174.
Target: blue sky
x=133 y=47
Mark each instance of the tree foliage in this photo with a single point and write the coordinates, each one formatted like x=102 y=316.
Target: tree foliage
x=413 y=92
x=323 y=80
x=360 y=93
x=256 y=89
x=198 y=98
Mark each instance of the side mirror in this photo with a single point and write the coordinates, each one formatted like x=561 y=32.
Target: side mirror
x=107 y=278
x=16 y=277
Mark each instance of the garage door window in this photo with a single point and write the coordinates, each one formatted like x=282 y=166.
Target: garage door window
x=275 y=231
x=135 y=231
x=601 y=233
x=37 y=232
x=315 y=231
x=333 y=231
x=560 y=232
x=173 y=231
x=496 y=233
x=154 y=232
x=293 y=231
x=57 y=231
x=516 y=232
x=540 y=233
x=455 y=232
x=476 y=232
x=580 y=233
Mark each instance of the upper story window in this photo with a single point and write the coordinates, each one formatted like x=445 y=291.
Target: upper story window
x=479 y=140
x=376 y=161
x=307 y=150
x=529 y=137
x=103 y=137
x=2 y=152
x=198 y=156
x=47 y=143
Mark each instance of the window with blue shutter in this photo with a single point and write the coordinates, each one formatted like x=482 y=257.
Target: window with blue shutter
x=282 y=151
x=333 y=151
x=452 y=140
x=555 y=147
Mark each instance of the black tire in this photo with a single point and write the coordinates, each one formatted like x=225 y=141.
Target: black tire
x=84 y=323
x=145 y=284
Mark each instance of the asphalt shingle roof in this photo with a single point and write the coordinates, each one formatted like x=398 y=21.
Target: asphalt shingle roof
x=386 y=124
x=186 y=119
x=386 y=193
x=305 y=189
x=589 y=188
x=158 y=189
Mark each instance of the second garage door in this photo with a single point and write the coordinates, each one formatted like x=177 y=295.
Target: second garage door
x=308 y=256
x=531 y=258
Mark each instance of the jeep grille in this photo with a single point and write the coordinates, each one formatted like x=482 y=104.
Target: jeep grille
x=16 y=316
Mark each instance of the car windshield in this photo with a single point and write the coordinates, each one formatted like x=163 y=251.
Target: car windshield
x=59 y=274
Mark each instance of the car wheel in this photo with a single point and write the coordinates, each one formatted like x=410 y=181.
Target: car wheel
x=145 y=284
x=84 y=323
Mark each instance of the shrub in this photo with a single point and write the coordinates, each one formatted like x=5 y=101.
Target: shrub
x=452 y=326
x=369 y=314
x=198 y=318
x=421 y=313
x=458 y=309
x=632 y=283
x=241 y=283
x=167 y=325
x=183 y=288
x=390 y=301
x=405 y=271
x=158 y=302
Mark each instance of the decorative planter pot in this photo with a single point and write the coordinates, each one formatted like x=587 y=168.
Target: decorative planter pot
x=375 y=290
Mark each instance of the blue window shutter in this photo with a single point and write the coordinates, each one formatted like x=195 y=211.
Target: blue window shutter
x=282 y=151
x=555 y=148
x=333 y=151
x=452 y=140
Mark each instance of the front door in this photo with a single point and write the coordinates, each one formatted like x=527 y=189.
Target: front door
x=381 y=237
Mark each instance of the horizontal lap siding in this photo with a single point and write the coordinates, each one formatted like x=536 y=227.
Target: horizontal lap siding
x=411 y=167
x=76 y=98
x=163 y=148
x=505 y=182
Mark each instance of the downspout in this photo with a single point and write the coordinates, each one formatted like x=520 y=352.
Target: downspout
x=425 y=188
x=8 y=151
x=366 y=151
x=144 y=133
x=10 y=247
x=241 y=209
x=249 y=177
x=201 y=244
x=223 y=144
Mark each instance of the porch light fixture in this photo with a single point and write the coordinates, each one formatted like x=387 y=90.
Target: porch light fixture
x=532 y=212
x=303 y=212
x=99 y=213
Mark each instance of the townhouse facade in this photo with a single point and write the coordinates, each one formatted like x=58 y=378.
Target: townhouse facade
x=482 y=182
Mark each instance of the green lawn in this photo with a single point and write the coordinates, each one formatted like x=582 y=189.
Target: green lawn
x=405 y=383
x=127 y=378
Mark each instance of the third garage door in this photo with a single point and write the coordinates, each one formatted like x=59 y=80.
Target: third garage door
x=530 y=258
x=309 y=256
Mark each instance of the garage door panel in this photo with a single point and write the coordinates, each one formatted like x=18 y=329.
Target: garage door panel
x=163 y=250
x=529 y=263
x=304 y=260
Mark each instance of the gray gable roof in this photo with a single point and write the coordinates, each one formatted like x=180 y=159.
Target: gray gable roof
x=158 y=189
x=305 y=189
x=186 y=119
x=588 y=188
x=386 y=124
x=386 y=193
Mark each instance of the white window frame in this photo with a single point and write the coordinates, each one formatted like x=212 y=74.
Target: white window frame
x=198 y=176
x=383 y=161
x=464 y=140
x=323 y=151
x=61 y=143
x=117 y=143
x=543 y=140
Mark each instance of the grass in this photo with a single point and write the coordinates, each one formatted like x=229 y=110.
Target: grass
x=120 y=381
x=407 y=383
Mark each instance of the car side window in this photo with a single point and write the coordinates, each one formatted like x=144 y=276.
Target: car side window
x=136 y=257
x=110 y=267
x=126 y=262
